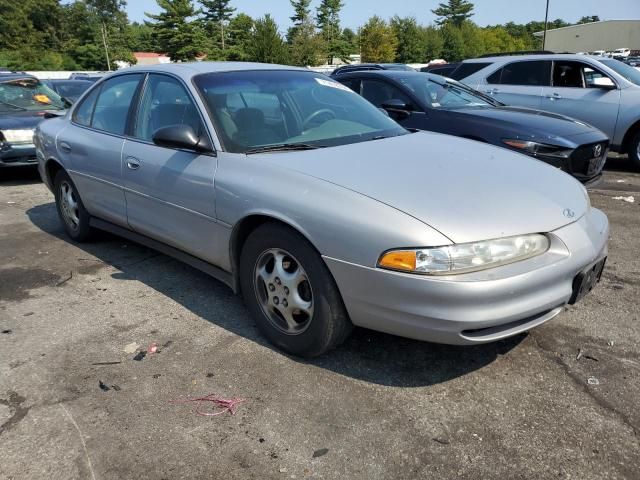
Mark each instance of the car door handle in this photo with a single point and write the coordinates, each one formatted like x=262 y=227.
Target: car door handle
x=555 y=96
x=65 y=147
x=133 y=163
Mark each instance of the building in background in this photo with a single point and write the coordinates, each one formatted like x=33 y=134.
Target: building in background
x=607 y=35
x=150 y=58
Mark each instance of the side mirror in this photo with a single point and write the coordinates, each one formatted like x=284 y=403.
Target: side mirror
x=182 y=136
x=604 y=83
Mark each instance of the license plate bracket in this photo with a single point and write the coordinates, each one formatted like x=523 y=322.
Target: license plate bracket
x=584 y=282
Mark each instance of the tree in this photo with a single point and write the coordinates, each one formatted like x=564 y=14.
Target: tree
x=301 y=15
x=433 y=43
x=307 y=47
x=240 y=34
x=218 y=12
x=589 y=19
x=175 y=31
x=410 y=40
x=454 y=11
x=111 y=15
x=453 y=43
x=266 y=43
x=377 y=41
x=328 y=21
x=140 y=37
x=351 y=41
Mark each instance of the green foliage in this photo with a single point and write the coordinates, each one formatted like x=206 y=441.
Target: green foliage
x=351 y=40
x=454 y=11
x=378 y=43
x=411 y=41
x=307 y=48
x=216 y=15
x=240 y=36
x=433 y=43
x=328 y=21
x=139 y=37
x=175 y=32
x=589 y=19
x=266 y=43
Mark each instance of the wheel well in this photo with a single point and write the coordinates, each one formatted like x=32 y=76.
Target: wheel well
x=52 y=167
x=240 y=234
x=629 y=136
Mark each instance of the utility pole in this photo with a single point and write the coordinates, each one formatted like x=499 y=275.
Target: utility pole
x=546 y=19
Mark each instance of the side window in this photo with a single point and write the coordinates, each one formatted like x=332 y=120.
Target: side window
x=165 y=102
x=568 y=74
x=530 y=73
x=465 y=70
x=112 y=108
x=353 y=84
x=84 y=112
x=378 y=92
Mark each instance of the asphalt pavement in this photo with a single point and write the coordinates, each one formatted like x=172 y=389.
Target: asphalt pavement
x=558 y=402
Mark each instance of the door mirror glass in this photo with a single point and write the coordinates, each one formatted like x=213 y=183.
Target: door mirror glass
x=183 y=137
x=602 y=82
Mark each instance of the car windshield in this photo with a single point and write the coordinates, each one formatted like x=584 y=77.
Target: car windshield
x=445 y=94
x=629 y=73
x=253 y=109
x=28 y=94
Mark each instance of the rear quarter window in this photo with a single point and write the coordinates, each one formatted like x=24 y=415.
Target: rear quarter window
x=467 y=69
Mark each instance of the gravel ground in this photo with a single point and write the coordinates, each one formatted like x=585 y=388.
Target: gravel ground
x=379 y=407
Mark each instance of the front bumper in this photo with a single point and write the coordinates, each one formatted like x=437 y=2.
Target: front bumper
x=477 y=307
x=17 y=155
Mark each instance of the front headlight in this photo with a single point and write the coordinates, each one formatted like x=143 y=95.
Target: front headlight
x=18 y=136
x=465 y=257
x=538 y=149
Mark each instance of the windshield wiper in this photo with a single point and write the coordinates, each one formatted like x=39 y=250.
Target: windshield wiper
x=14 y=106
x=283 y=147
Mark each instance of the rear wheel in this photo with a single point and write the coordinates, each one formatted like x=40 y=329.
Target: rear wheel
x=71 y=211
x=634 y=150
x=290 y=292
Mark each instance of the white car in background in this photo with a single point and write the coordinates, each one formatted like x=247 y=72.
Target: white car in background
x=621 y=53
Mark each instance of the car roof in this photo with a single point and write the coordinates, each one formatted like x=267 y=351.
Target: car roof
x=554 y=56
x=390 y=73
x=15 y=76
x=195 y=68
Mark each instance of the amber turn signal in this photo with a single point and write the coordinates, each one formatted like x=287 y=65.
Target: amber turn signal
x=404 y=260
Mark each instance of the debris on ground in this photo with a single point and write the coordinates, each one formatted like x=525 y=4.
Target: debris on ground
x=628 y=199
x=593 y=381
x=320 y=452
x=103 y=386
x=62 y=282
x=140 y=355
x=116 y=387
x=131 y=347
x=156 y=375
x=610 y=343
x=581 y=354
x=152 y=348
x=7 y=331
x=105 y=363
x=222 y=404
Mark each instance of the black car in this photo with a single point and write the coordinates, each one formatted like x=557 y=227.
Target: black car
x=424 y=101
x=68 y=89
x=444 y=69
x=362 y=67
x=24 y=102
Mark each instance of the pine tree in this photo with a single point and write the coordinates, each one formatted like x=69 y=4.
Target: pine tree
x=328 y=21
x=240 y=31
x=175 y=31
x=266 y=44
x=454 y=12
x=301 y=15
x=219 y=13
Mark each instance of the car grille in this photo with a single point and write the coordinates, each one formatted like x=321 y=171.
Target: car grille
x=584 y=160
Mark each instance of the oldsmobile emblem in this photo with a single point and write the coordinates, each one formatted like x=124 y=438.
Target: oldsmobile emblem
x=597 y=150
x=569 y=213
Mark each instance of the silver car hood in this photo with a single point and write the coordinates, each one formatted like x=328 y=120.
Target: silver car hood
x=466 y=190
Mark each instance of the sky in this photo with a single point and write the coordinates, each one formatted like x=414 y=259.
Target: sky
x=487 y=12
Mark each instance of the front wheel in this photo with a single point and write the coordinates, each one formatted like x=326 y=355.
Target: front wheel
x=634 y=150
x=290 y=292
x=71 y=211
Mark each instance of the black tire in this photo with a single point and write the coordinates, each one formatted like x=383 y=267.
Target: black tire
x=79 y=231
x=329 y=324
x=634 y=150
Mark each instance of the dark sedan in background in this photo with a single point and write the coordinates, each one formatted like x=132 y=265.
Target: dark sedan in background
x=424 y=101
x=68 y=89
x=24 y=101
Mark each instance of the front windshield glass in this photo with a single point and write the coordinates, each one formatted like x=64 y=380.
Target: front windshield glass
x=28 y=94
x=629 y=73
x=438 y=94
x=253 y=109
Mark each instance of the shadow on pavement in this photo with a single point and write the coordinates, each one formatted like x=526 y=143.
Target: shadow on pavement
x=369 y=356
x=27 y=175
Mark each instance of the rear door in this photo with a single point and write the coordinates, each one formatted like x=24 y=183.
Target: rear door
x=92 y=146
x=519 y=83
x=169 y=192
x=584 y=92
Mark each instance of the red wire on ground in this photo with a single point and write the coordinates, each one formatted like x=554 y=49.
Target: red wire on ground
x=225 y=404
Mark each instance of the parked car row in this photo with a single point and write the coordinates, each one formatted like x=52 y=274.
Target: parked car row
x=320 y=209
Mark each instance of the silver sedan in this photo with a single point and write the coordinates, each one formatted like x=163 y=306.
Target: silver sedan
x=319 y=209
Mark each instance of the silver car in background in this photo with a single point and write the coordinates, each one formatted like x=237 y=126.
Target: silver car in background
x=319 y=209
x=602 y=92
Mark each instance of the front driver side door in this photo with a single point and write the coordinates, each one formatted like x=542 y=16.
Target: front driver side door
x=379 y=92
x=169 y=192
